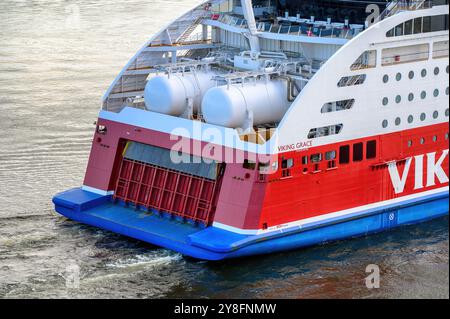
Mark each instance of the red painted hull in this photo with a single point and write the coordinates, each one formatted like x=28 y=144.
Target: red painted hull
x=249 y=201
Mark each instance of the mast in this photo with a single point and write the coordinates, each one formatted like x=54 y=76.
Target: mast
x=247 y=7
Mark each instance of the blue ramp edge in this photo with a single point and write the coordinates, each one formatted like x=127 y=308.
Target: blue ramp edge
x=158 y=229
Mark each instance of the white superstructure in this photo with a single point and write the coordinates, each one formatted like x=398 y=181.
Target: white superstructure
x=311 y=80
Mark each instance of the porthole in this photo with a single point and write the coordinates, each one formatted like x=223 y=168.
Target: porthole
x=446 y=112
x=411 y=75
x=446 y=91
x=423 y=117
x=410 y=119
x=423 y=95
x=410 y=143
x=435 y=114
x=385 y=123
x=398 y=77
x=446 y=69
x=446 y=136
x=385 y=101
x=411 y=97
x=398 y=99
x=385 y=78
x=424 y=73
x=398 y=121
x=435 y=138
x=436 y=71
x=436 y=93
x=422 y=141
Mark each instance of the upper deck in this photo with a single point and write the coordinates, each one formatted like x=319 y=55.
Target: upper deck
x=216 y=37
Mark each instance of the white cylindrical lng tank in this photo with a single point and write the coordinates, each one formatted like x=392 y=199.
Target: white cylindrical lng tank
x=229 y=105
x=170 y=93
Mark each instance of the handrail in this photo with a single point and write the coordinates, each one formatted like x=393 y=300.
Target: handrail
x=404 y=5
x=316 y=30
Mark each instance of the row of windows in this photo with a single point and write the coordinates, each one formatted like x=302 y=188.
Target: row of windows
x=411 y=96
x=423 y=140
x=347 y=154
x=397 y=55
x=410 y=118
x=344 y=155
x=411 y=74
x=414 y=53
x=420 y=25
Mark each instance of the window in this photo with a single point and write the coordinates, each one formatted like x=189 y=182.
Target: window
x=436 y=71
x=417 y=25
x=411 y=97
x=365 y=61
x=422 y=141
x=435 y=138
x=398 y=121
x=249 y=165
x=325 y=131
x=385 y=101
x=423 y=117
x=331 y=155
x=423 y=73
x=446 y=91
x=287 y=163
x=426 y=24
x=344 y=154
x=405 y=54
x=385 y=123
x=436 y=93
x=440 y=50
x=408 y=28
x=101 y=129
x=410 y=143
x=305 y=160
x=338 y=106
x=446 y=112
x=423 y=95
x=439 y=23
x=411 y=75
x=358 y=152
x=435 y=114
x=398 y=77
x=371 y=149
x=316 y=158
x=398 y=99
x=410 y=119
x=398 y=30
x=385 y=78
x=352 y=80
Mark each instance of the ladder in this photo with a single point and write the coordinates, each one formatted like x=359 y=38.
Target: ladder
x=189 y=30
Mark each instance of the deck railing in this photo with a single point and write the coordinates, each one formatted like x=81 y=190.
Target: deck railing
x=405 y=5
x=313 y=29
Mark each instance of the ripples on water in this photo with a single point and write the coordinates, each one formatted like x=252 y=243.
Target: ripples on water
x=55 y=65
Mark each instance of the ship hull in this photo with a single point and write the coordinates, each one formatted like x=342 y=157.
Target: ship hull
x=212 y=243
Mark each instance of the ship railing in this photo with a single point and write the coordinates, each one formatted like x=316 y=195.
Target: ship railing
x=405 y=5
x=310 y=29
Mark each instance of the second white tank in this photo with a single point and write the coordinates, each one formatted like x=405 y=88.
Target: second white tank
x=229 y=106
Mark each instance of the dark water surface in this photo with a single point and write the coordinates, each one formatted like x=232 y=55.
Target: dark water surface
x=56 y=60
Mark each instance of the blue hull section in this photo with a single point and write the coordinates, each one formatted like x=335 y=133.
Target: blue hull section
x=212 y=243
